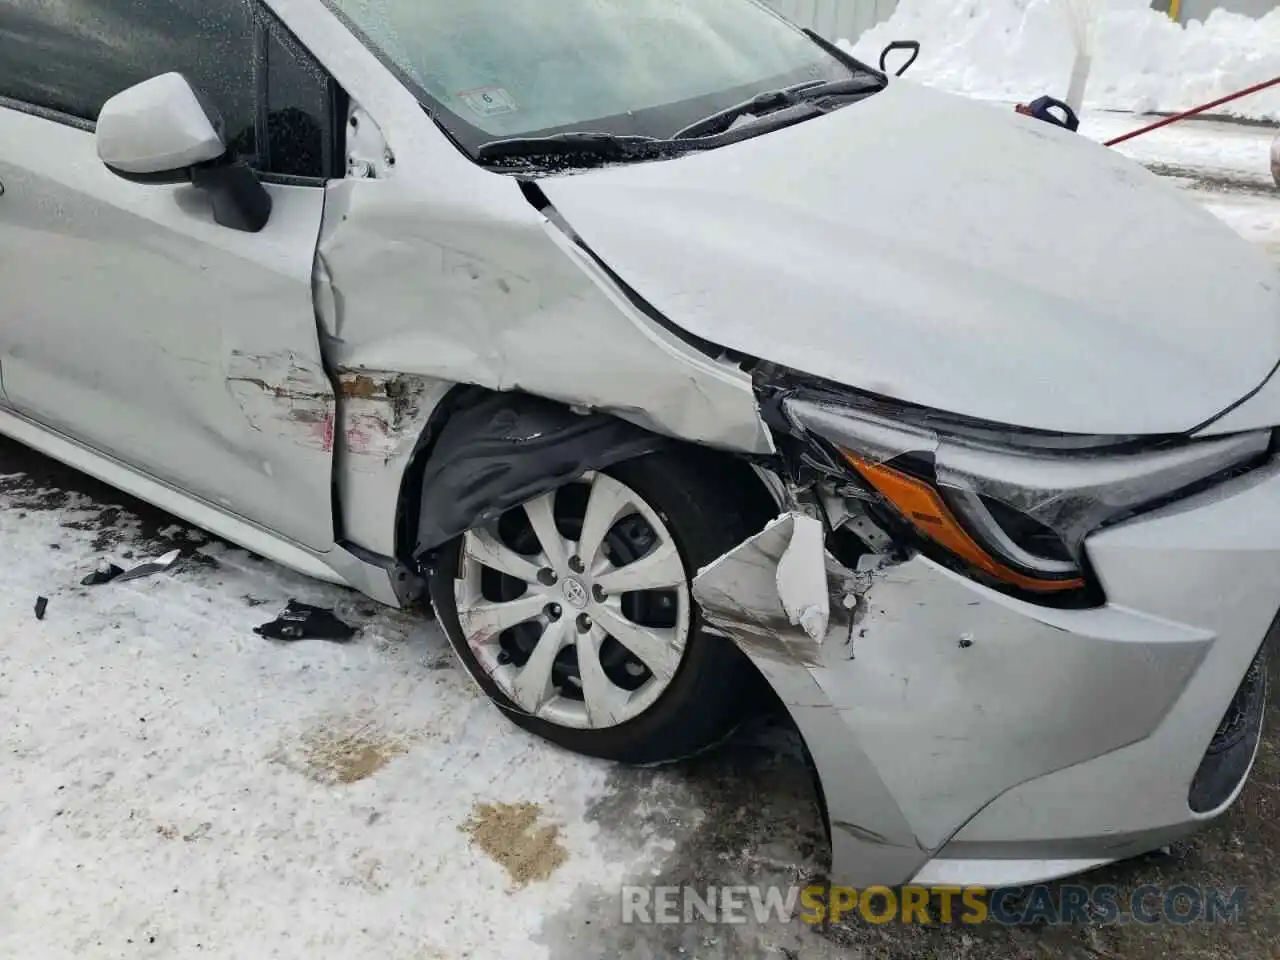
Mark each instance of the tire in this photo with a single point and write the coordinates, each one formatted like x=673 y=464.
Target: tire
x=673 y=713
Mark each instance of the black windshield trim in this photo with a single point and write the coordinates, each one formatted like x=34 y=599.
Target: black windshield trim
x=582 y=150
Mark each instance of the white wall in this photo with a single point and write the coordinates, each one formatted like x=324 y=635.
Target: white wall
x=836 y=19
x=1199 y=9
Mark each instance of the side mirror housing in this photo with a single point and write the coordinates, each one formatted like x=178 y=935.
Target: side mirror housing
x=163 y=131
x=158 y=130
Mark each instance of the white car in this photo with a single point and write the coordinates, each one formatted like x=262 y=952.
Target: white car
x=678 y=356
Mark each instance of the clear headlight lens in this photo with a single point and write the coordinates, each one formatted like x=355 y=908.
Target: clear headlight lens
x=1013 y=516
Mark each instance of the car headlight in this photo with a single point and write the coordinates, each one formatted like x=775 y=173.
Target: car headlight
x=1012 y=515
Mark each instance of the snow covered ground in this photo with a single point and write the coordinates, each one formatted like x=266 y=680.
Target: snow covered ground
x=1224 y=166
x=1252 y=217
x=172 y=785
x=1233 y=150
x=1142 y=61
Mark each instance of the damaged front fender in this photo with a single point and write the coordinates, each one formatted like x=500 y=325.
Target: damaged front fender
x=475 y=286
x=792 y=607
x=923 y=696
x=777 y=595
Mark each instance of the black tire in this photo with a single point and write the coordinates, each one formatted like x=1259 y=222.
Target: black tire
x=715 y=686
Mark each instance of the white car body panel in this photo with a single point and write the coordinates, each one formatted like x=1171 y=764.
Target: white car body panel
x=931 y=249
x=140 y=327
x=249 y=376
x=1259 y=410
x=948 y=721
x=435 y=283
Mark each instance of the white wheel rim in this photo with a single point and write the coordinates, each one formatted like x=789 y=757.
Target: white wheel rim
x=575 y=593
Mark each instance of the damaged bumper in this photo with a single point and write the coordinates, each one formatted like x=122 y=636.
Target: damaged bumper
x=963 y=736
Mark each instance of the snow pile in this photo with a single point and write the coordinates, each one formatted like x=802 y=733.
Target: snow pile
x=1016 y=50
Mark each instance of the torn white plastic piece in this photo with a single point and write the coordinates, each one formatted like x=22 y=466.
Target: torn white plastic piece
x=742 y=593
x=802 y=579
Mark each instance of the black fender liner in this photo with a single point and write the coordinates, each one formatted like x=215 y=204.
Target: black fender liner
x=509 y=448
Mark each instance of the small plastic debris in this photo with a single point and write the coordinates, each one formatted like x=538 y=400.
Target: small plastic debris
x=105 y=573
x=301 y=621
x=149 y=567
x=42 y=604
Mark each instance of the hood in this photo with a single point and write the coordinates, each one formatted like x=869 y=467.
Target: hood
x=951 y=254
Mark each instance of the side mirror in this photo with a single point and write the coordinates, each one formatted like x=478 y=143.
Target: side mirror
x=163 y=131
x=158 y=129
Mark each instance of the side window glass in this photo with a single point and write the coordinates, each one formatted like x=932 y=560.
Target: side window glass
x=73 y=57
x=301 y=118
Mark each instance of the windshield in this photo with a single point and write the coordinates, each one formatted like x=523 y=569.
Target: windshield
x=496 y=69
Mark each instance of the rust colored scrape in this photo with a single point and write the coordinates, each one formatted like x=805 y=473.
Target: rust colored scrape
x=375 y=414
x=381 y=413
x=363 y=387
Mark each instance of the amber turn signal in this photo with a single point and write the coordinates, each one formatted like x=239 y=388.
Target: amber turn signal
x=924 y=508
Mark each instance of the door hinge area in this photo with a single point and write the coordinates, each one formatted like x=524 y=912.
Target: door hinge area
x=368 y=155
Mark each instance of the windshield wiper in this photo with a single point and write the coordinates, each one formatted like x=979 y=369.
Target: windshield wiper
x=575 y=147
x=584 y=144
x=773 y=100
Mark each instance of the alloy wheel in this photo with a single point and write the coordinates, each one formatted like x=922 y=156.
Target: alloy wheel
x=576 y=604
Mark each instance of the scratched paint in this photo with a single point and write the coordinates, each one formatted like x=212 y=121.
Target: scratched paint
x=286 y=396
x=381 y=414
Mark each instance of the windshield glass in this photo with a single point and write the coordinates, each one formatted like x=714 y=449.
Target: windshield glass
x=495 y=69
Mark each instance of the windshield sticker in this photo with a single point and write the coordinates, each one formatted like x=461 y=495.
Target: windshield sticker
x=488 y=101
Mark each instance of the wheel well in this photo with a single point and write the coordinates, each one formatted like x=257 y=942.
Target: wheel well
x=463 y=421
x=409 y=502
x=745 y=491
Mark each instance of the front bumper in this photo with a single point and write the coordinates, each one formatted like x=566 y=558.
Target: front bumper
x=965 y=737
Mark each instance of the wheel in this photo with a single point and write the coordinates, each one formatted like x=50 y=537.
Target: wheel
x=575 y=615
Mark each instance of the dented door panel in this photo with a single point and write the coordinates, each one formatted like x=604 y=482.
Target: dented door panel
x=196 y=359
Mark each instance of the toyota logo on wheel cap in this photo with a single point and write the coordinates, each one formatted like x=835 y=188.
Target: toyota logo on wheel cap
x=576 y=593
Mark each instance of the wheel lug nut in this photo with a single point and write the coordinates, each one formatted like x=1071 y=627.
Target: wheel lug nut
x=584 y=623
x=546 y=576
x=575 y=564
x=597 y=591
x=553 y=611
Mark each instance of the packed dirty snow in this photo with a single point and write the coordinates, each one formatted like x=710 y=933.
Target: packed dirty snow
x=174 y=785
x=1235 y=150
x=1142 y=61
